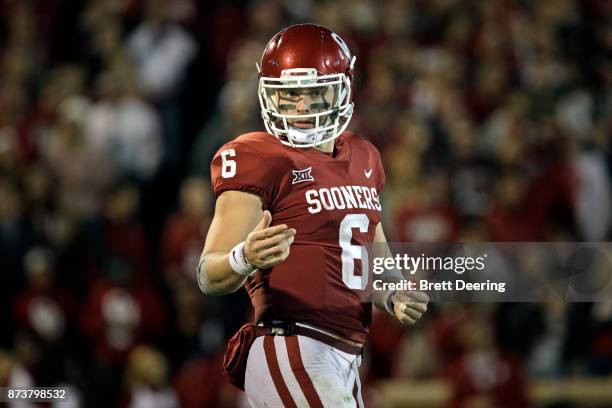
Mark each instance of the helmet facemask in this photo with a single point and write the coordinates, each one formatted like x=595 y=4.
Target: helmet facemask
x=303 y=109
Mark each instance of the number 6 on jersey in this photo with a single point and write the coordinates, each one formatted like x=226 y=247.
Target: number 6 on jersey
x=228 y=169
x=351 y=252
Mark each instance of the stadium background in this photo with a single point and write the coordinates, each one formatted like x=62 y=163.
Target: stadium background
x=493 y=118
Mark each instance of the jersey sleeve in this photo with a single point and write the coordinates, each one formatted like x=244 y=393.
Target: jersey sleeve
x=237 y=166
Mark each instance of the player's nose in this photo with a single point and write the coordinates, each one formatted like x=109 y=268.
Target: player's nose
x=302 y=105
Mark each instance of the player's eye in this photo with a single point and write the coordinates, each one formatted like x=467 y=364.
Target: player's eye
x=318 y=92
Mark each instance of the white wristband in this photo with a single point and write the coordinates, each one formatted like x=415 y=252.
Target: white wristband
x=238 y=261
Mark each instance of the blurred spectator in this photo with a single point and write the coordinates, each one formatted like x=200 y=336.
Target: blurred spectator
x=123 y=230
x=106 y=46
x=546 y=358
x=43 y=307
x=512 y=216
x=181 y=241
x=192 y=391
x=69 y=150
x=391 y=344
x=13 y=105
x=38 y=197
x=199 y=349
x=430 y=218
x=16 y=237
x=484 y=375
x=119 y=313
x=416 y=348
x=13 y=375
x=146 y=380
x=162 y=50
x=587 y=347
x=57 y=85
x=46 y=311
x=384 y=347
x=593 y=195
x=446 y=327
x=124 y=126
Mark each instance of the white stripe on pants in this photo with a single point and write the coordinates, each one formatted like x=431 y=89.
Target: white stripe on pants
x=333 y=373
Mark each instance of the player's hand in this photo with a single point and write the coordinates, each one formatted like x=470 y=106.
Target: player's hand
x=409 y=305
x=267 y=246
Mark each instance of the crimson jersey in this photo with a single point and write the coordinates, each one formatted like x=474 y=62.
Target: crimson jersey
x=333 y=203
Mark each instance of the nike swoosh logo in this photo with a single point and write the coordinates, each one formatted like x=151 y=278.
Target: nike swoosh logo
x=367 y=173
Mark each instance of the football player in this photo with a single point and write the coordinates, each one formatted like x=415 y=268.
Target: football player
x=295 y=206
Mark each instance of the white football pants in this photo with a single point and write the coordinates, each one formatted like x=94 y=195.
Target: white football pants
x=297 y=371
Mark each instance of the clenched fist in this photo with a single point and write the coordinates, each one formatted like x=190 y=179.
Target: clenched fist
x=267 y=246
x=409 y=305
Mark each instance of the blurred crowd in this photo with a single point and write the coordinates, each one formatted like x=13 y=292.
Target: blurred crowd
x=494 y=122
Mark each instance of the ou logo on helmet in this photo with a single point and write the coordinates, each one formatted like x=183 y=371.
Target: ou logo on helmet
x=342 y=45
